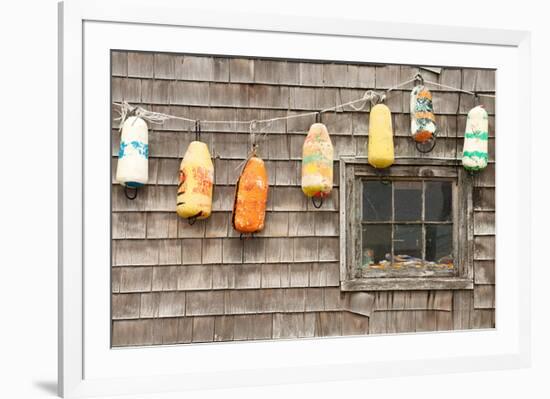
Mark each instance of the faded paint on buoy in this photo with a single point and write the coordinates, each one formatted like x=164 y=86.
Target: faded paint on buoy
x=251 y=197
x=317 y=162
x=475 y=154
x=196 y=180
x=133 y=155
x=423 y=125
x=380 y=152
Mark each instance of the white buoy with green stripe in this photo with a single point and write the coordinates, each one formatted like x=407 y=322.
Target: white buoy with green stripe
x=475 y=153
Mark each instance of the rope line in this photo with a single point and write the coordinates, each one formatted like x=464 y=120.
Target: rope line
x=370 y=96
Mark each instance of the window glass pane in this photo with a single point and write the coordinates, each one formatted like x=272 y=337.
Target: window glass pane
x=439 y=243
x=376 y=201
x=376 y=244
x=438 y=201
x=408 y=200
x=407 y=243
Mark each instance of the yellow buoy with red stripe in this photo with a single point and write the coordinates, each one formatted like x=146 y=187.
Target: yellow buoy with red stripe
x=196 y=180
x=380 y=152
x=251 y=197
x=317 y=162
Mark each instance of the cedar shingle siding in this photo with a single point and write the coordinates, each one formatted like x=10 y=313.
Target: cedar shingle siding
x=176 y=283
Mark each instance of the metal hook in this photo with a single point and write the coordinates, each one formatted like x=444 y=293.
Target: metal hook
x=316 y=204
x=197 y=130
x=318 y=117
x=380 y=174
x=126 y=193
x=428 y=149
x=477 y=100
x=418 y=78
x=243 y=236
x=193 y=219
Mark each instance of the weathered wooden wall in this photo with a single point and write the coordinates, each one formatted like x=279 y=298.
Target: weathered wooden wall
x=175 y=283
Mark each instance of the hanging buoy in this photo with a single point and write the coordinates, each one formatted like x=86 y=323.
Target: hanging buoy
x=196 y=179
x=476 y=137
x=317 y=164
x=250 y=197
x=423 y=125
x=380 y=153
x=133 y=165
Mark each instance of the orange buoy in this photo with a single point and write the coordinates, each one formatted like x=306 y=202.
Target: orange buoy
x=251 y=197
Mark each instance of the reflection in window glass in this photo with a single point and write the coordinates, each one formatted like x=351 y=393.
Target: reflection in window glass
x=438 y=201
x=439 y=243
x=408 y=200
x=376 y=244
x=376 y=201
x=407 y=243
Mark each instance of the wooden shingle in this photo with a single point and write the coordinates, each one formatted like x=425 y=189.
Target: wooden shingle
x=354 y=324
x=136 y=279
x=165 y=278
x=197 y=277
x=484 y=247
x=484 y=296
x=223 y=276
x=169 y=252
x=185 y=329
x=252 y=327
x=128 y=225
x=191 y=250
x=248 y=276
x=463 y=303
x=224 y=327
x=484 y=272
x=301 y=223
x=140 y=65
x=328 y=324
x=132 y=332
x=278 y=250
x=119 y=63
x=254 y=250
x=306 y=249
x=172 y=304
x=165 y=331
x=203 y=329
x=161 y=225
x=241 y=70
x=125 y=306
x=203 y=303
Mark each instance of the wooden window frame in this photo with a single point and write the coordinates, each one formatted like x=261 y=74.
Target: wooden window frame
x=353 y=171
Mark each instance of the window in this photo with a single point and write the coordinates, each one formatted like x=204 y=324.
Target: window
x=408 y=228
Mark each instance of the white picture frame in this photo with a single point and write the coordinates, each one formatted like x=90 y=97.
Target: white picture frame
x=88 y=367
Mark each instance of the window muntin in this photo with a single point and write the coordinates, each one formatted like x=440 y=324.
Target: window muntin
x=407 y=227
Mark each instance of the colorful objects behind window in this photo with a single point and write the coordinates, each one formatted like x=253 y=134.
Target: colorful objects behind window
x=475 y=154
x=196 y=179
x=380 y=144
x=317 y=162
x=251 y=197
x=423 y=125
x=133 y=165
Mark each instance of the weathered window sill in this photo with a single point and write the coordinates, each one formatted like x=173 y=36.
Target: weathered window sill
x=411 y=283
